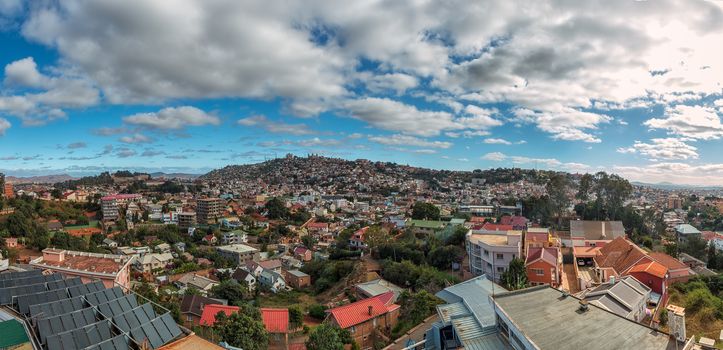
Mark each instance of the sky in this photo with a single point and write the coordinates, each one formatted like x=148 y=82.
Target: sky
x=628 y=87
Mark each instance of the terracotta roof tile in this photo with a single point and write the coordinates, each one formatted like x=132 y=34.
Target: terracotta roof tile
x=275 y=320
x=358 y=312
x=208 y=317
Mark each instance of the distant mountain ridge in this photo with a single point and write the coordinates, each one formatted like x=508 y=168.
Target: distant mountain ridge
x=44 y=179
x=672 y=186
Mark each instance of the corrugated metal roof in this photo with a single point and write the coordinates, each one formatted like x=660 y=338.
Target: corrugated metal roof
x=474 y=294
x=448 y=311
x=487 y=342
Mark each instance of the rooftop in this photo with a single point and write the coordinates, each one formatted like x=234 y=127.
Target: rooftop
x=552 y=320
x=237 y=248
x=620 y=297
x=275 y=320
x=208 y=317
x=489 y=239
x=597 y=230
x=81 y=261
x=474 y=295
x=359 y=311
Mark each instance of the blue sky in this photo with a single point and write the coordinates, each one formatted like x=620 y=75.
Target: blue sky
x=189 y=86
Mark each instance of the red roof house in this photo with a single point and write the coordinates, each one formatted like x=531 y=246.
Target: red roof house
x=517 y=222
x=544 y=266
x=208 y=317
x=621 y=257
x=275 y=320
x=363 y=317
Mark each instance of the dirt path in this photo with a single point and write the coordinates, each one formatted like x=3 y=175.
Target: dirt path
x=569 y=280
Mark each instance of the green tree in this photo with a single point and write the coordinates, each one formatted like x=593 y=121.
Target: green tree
x=671 y=249
x=712 y=256
x=584 y=187
x=557 y=187
x=516 y=275
x=443 y=257
x=425 y=211
x=317 y=311
x=328 y=337
x=230 y=290
x=243 y=329
x=276 y=209
x=296 y=317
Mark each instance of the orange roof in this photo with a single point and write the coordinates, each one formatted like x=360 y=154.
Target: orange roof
x=191 y=342
x=619 y=254
x=80 y=232
x=275 y=320
x=361 y=311
x=650 y=267
x=208 y=317
x=668 y=261
x=586 y=252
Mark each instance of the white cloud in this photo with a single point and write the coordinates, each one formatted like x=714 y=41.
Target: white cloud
x=397 y=82
x=696 y=122
x=663 y=148
x=4 y=126
x=396 y=116
x=496 y=141
x=37 y=98
x=275 y=126
x=405 y=140
x=706 y=174
x=172 y=118
x=565 y=124
x=495 y=156
x=136 y=138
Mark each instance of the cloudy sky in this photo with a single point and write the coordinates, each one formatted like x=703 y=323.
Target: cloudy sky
x=632 y=87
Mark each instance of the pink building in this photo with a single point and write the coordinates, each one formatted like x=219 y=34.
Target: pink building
x=111 y=269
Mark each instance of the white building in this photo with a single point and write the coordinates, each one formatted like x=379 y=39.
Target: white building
x=491 y=254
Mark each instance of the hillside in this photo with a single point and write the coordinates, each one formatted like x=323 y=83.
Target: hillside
x=323 y=171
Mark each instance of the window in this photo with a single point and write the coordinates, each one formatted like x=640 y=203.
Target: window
x=352 y=330
x=592 y=244
x=500 y=256
x=487 y=253
x=189 y=318
x=538 y=272
x=500 y=269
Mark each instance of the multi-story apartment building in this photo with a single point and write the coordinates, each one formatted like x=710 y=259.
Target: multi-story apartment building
x=491 y=254
x=109 y=204
x=239 y=253
x=209 y=210
x=186 y=219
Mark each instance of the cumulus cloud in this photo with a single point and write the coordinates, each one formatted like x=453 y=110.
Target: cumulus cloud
x=37 y=98
x=495 y=156
x=4 y=126
x=497 y=141
x=406 y=140
x=681 y=173
x=276 y=127
x=697 y=122
x=663 y=148
x=135 y=138
x=395 y=82
x=172 y=118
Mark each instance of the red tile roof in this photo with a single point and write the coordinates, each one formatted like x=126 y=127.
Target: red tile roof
x=358 y=312
x=620 y=254
x=496 y=227
x=208 y=317
x=548 y=255
x=668 y=261
x=275 y=320
x=513 y=220
x=651 y=267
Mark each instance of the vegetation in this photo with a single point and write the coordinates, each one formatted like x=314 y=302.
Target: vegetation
x=702 y=299
x=425 y=211
x=418 y=277
x=325 y=273
x=515 y=277
x=415 y=307
x=328 y=337
x=243 y=329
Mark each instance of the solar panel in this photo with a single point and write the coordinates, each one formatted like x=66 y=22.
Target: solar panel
x=119 y=342
x=80 y=338
x=65 y=322
x=15 y=282
x=158 y=332
x=104 y=296
x=118 y=306
x=20 y=274
x=66 y=283
x=24 y=301
x=87 y=288
x=56 y=307
x=7 y=294
x=135 y=317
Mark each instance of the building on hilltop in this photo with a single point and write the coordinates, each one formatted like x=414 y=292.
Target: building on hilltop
x=209 y=210
x=112 y=270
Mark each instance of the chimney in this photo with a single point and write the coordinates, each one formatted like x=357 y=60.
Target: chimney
x=583 y=305
x=370 y=310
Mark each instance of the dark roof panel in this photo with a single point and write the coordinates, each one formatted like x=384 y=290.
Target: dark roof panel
x=80 y=338
x=158 y=332
x=64 y=283
x=24 y=301
x=104 y=296
x=14 y=282
x=56 y=307
x=118 y=306
x=135 y=317
x=87 y=288
x=65 y=322
x=7 y=294
x=20 y=274
x=119 y=342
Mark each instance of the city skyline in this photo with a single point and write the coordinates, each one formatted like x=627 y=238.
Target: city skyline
x=632 y=88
